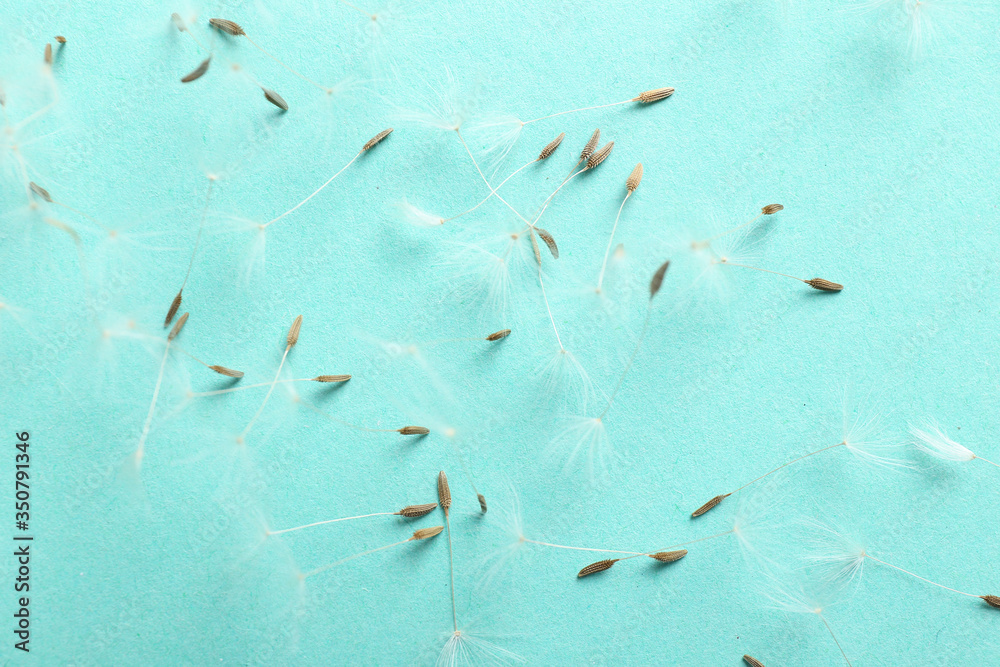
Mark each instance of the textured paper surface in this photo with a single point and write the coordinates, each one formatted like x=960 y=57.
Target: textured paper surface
x=886 y=167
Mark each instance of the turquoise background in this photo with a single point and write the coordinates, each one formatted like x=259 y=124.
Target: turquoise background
x=886 y=166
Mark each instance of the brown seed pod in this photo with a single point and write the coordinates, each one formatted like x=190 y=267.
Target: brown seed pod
x=228 y=372
x=414 y=430
x=709 y=505
x=657 y=281
x=549 y=241
x=275 y=99
x=482 y=502
x=588 y=150
x=600 y=156
x=48 y=54
x=668 y=556
x=40 y=191
x=424 y=533
x=60 y=39
x=499 y=335
x=753 y=662
x=331 y=378
x=178 y=326
x=444 y=491
x=227 y=26
x=599 y=566
x=991 y=600
x=551 y=147
x=414 y=511
x=178 y=21
x=771 y=209
x=376 y=139
x=634 y=179
x=198 y=72
x=824 y=285
x=174 y=305
x=655 y=95
x=534 y=246
x=293 y=333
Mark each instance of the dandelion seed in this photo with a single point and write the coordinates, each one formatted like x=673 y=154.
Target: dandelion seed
x=771 y=209
x=293 y=331
x=634 y=179
x=227 y=26
x=40 y=191
x=669 y=556
x=444 y=492
x=374 y=141
x=599 y=566
x=60 y=39
x=549 y=241
x=178 y=326
x=796 y=600
x=414 y=511
x=275 y=99
x=178 y=22
x=198 y=71
x=551 y=147
x=48 y=54
x=710 y=504
x=991 y=600
x=464 y=649
x=331 y=378
x=600 y=156
x=824 y=285
x=753 y=662
x=499 y=335
x=590 y=146
x=414 y=430
x=228 y=372
x=424 y=533
x=482 y=502
x=650 y=96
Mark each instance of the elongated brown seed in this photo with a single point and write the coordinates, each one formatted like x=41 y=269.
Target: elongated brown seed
x=588 y=150
x=60 y=39
x=600 y=156
x=634 y=179
x=444 y=491
x=549 y=241
x=824 y=285
x=198 y=72
x=599 y=566
x=376 y=139
x=709 y=505
x=657 y=281
x=655 y=95
x=551 y=147
x=669 y=556
x=503 y=333
x=482 y=502
x=414 y=511
x=771 y=209
x=991 y=600
x=331 y=378
x=227 y=26
x=534 y=246
x=228 y=372
x=753 y=662
x=414 y=430
x=48 y=54
x=178 y=21
x=293 y=333
x=40 y=191
x=178 y=326
x=275 y=99
x=174 y=305
x=424 y=533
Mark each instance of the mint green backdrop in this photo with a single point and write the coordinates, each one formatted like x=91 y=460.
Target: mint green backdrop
x=884 y=160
